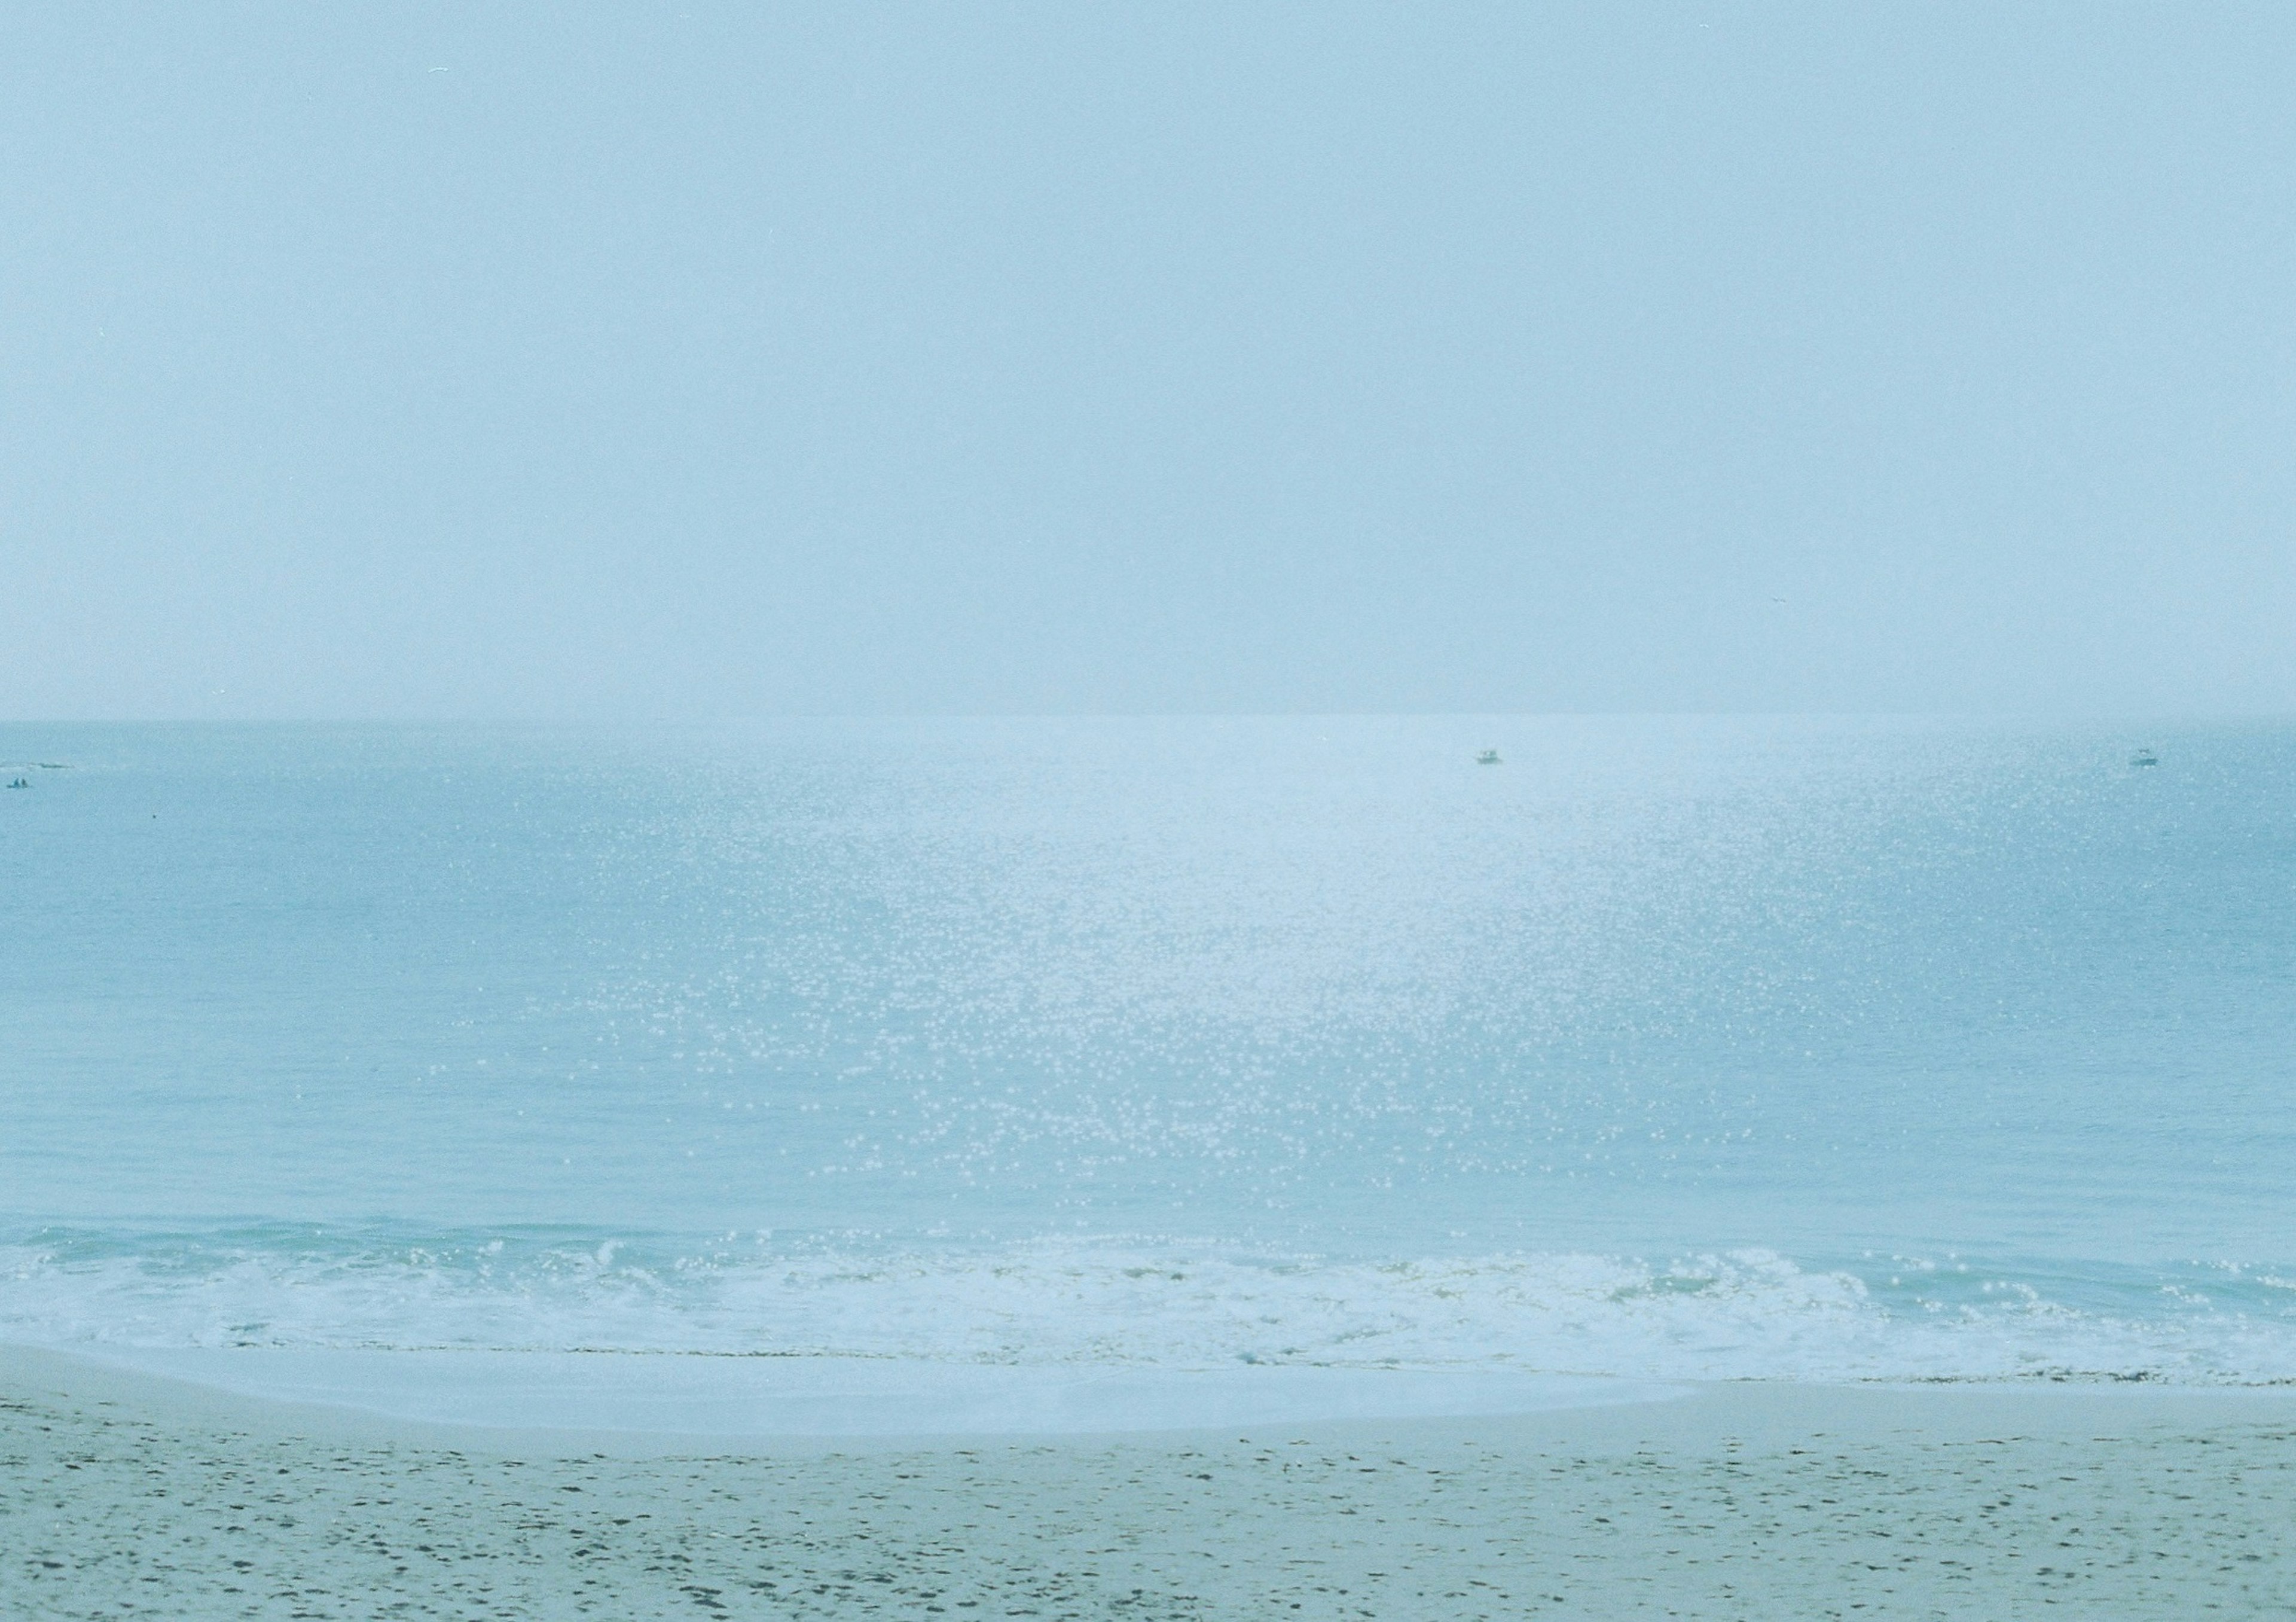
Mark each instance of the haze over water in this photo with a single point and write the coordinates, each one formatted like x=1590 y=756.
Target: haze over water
x=1665 y=1047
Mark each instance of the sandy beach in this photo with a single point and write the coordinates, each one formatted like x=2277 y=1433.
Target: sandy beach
x=122 y=1494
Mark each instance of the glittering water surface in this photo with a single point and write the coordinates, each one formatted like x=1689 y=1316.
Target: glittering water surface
x=1667 y=1048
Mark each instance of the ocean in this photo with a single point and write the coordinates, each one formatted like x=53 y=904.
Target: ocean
x=1670 y=1049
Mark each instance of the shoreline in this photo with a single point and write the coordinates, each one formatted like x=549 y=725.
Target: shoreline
x=1590 y=1408
x=126 y=1492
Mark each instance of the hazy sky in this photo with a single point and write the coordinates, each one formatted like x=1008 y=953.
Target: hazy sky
x=685 y=359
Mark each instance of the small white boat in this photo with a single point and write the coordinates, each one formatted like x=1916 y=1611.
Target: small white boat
x=2145 y=757
x=1488 y=757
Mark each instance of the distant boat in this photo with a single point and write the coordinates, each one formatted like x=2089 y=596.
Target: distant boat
x=20 y=782
x=1488 y=757
x=2145 y=757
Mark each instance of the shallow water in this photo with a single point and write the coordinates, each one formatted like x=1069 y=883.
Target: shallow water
x=1670 y=1048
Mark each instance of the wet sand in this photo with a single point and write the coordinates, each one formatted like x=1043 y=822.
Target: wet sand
x=123 y=1495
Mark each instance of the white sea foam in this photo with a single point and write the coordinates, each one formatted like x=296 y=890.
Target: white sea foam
x=1113 y=1305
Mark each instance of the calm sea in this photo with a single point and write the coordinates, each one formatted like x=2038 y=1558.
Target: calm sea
x=1665 y=1047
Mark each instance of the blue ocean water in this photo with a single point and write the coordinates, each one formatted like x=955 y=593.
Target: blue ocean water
x=1663 y=1047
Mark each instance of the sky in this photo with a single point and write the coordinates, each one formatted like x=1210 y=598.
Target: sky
x=680 y=360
